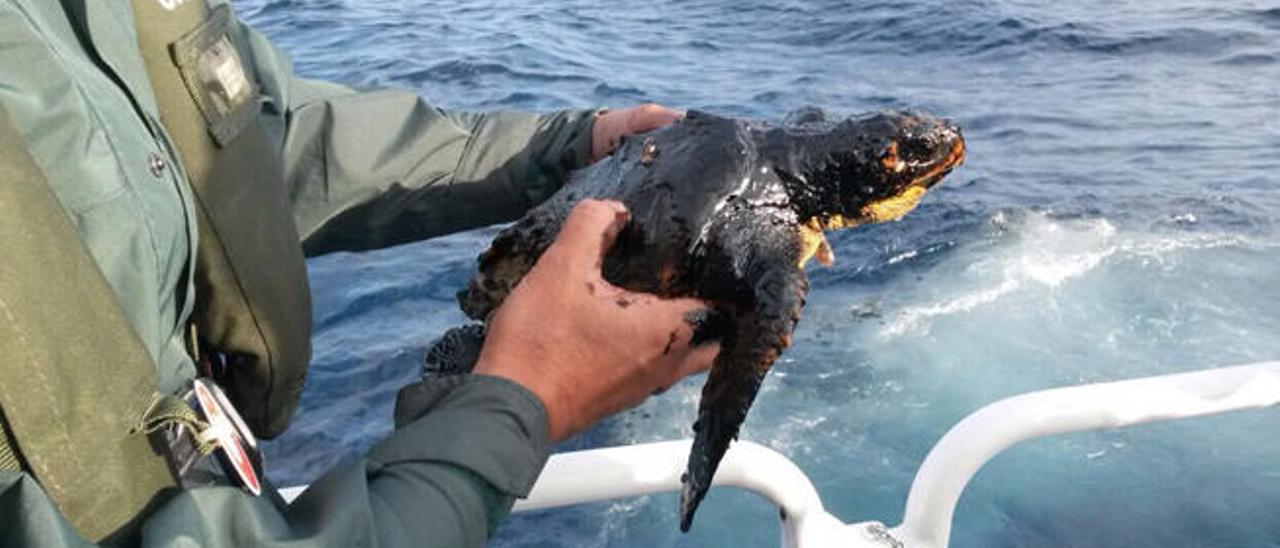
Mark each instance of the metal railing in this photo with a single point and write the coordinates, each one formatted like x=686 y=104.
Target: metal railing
x=634 y=470
x=618 y=472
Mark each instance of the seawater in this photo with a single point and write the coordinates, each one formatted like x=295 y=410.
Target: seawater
x=1116 y=218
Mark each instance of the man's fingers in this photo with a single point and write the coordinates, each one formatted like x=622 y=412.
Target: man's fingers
x=611 y=126
x=651 y=116
x=589 y=232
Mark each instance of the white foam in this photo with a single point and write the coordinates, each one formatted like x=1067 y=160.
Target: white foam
x=904 y=256
x=914 y=318
x=1052 y=270
x=1041 y=254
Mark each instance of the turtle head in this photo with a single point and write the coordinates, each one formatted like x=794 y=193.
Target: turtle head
x=864 y=169
x=867 y=169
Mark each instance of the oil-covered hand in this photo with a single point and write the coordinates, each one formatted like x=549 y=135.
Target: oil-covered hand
x=611 y=126
x=587 y=348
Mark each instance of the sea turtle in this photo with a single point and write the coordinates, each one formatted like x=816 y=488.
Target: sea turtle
x=728 y=211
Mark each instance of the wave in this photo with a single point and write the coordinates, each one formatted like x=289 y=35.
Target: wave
x=1252 y=59
x=462 y=70
x=1045 y=256
x=1267 y=17
x=997 y=29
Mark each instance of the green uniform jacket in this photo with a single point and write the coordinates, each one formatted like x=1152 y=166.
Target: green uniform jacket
x=363 y=170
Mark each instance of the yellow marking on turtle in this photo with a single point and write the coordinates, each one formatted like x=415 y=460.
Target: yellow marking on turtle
x=814 y=243
x=892 y=209
x=811 y=240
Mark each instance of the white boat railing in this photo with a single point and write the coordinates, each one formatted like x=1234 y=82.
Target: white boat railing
x=618 y=472
x=634 y=470
x=980 y=436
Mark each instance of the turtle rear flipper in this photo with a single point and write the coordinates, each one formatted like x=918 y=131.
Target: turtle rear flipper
x=455 y=352
x=747 y=351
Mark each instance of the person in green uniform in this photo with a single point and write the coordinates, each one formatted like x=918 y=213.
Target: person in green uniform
x=192 y=170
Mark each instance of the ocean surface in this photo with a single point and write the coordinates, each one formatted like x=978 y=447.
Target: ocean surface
x=1117 y=217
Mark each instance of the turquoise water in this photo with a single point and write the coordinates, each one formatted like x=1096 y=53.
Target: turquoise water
x=1116 y=218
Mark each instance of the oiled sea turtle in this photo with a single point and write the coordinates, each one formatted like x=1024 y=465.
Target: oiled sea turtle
x=728 y=211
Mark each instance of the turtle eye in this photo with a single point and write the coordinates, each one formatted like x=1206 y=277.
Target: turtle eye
x=890 y=160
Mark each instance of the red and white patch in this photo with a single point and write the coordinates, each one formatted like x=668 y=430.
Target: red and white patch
x=229 y=432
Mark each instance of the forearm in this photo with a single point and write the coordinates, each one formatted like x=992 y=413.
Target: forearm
x=384 y=168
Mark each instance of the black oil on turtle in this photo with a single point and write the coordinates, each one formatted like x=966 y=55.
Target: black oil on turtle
x=728 y=211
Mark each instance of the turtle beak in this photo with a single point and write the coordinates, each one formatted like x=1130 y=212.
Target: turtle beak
x=954 y=156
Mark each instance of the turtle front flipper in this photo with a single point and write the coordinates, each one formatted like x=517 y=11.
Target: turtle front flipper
x=757 y=337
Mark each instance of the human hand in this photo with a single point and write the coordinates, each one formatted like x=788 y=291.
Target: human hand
x=612 y=125
x=585 y=347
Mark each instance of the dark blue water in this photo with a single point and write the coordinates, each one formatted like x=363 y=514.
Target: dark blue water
x=1117 y=217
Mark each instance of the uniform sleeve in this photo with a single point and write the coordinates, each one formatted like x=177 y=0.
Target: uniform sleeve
x=464 y=448
x=376 y=168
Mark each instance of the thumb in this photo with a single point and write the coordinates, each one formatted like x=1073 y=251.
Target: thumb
x=589 y=232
